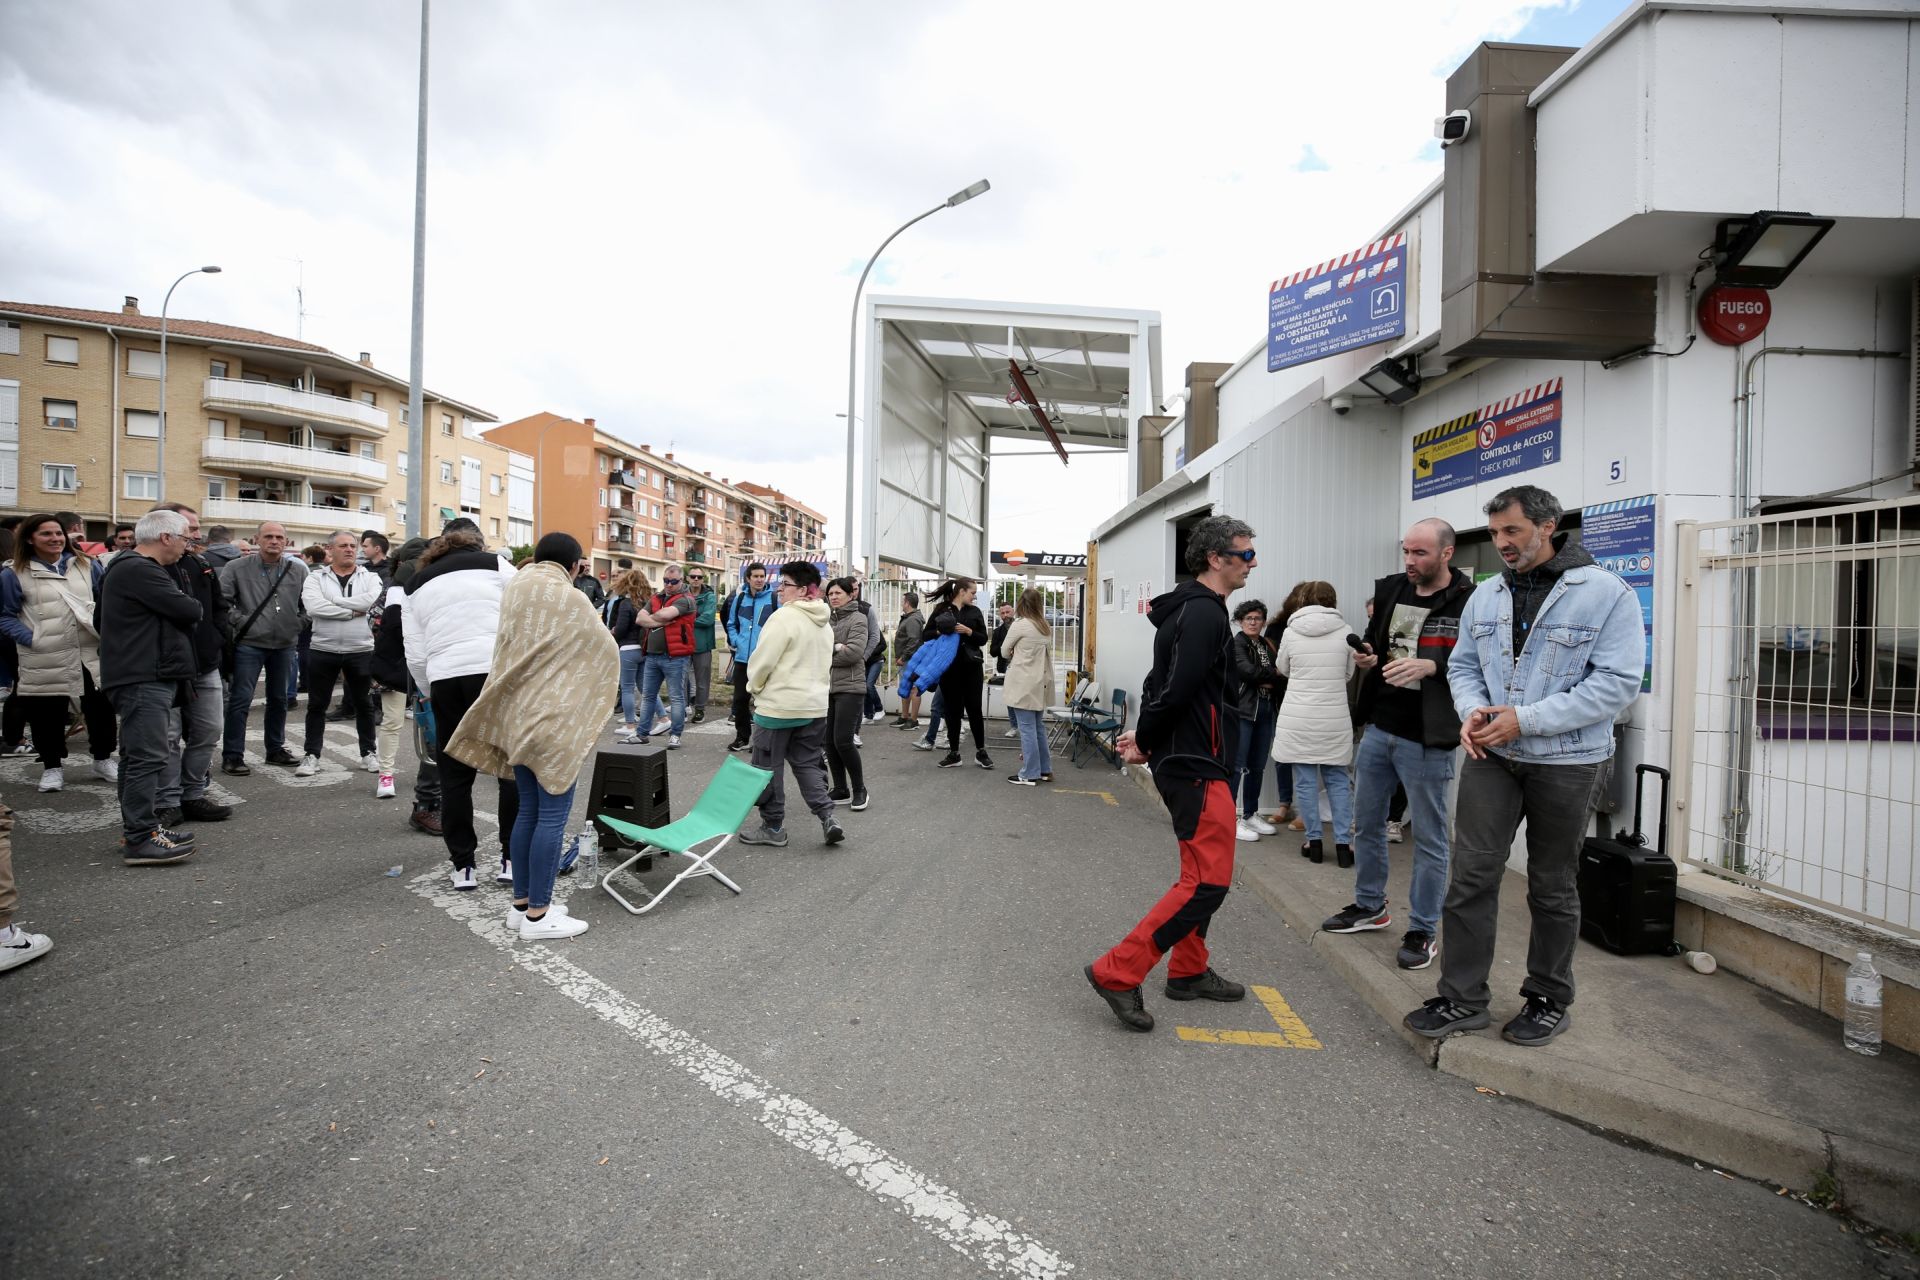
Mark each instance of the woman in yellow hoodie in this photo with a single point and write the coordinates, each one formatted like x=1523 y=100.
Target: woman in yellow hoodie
x=787 y=677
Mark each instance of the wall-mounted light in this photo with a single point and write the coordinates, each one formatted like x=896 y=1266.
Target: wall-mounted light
x=1762 y=250
x=1392 y=380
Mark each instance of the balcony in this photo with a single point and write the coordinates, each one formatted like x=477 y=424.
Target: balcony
x=696 y=557
x=621 y=480
x=265 y=402
x=246 y=513
x=227 y=454
x=620 y=514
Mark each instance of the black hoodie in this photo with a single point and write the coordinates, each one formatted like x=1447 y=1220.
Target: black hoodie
x=389 y=642
x=1185 y=727
x=1396 y=709
x=1530 y=589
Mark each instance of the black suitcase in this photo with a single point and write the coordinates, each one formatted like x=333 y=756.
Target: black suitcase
x=1627 y=888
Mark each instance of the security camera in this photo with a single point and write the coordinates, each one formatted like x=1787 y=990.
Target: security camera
x=1342 y=405
x=1453 y=127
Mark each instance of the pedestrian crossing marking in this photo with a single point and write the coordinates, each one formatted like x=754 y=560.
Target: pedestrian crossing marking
x=1292 y=1033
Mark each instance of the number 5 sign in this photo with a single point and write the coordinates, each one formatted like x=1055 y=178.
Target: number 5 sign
x=1616 y=471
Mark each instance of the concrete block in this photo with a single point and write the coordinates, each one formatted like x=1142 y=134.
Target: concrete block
x=1899 y=1004
x=1774 y=962
x=1880 y=1183
x=1689 y=926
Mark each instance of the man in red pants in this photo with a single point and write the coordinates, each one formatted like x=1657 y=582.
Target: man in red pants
x=1183 y=735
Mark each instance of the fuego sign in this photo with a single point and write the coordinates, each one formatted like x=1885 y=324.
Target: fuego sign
x=1731 y=316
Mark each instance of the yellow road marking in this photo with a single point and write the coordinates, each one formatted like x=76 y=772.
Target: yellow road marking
x=1104 y=795
x=1293 y=1033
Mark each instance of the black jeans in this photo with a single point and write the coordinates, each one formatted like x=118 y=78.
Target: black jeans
x=961 y=689
x=742 y=705
x=1496 y=794
x=844 y=711
x=451 y=698
x=47 y=719
x=357 y=670
x=144 y=720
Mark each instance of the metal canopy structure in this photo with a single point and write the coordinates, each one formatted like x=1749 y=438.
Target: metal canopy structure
x=945 y=376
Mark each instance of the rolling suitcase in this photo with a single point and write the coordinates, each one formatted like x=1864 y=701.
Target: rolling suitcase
x=1626 y=887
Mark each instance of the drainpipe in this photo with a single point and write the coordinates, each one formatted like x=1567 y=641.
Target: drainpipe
x=1742 y=707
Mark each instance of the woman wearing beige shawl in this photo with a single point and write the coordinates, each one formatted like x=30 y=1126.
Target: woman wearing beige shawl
x=554 y=669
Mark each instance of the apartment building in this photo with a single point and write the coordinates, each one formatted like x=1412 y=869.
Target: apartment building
x=258 y=427
x=795 y=530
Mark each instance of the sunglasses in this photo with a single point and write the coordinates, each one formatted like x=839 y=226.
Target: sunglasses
x=1245 y=554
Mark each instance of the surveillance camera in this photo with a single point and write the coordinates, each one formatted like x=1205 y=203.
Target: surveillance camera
x=1453 y=127
x=1342 y=405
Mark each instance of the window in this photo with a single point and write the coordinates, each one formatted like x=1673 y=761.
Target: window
x=641 y=475
x=493 y=523
x=400 y=463
x=446 y=472
x=600 y=533
x=63 y=350
x=9 y=338
x=1106 y=593
x=368 y=397
x=603 y=497
x=400 y=512
x=493 y=487
x=142 y=364
x=62 y=415
x=655 y=538
x=656 y=511
x=369 y=450
x=403 y=415
x=216 y=368
x=216 y=489
x=366 y=504
x=143 y=484
x=216 y=428
x=141 y=422
x=59 y=477
x=446 y=424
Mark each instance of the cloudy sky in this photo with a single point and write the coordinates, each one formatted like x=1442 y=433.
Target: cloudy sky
x=654 y=213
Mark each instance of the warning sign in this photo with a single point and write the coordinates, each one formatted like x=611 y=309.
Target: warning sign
x=1516 y=434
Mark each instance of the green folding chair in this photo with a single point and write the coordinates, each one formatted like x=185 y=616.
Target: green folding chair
x=716 y=816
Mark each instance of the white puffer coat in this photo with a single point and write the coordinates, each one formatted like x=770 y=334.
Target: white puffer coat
x=1315 y=726
x=58 y=609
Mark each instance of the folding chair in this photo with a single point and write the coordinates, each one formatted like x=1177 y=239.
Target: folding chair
x=1062 y=719
x=1101 y=732
x=716 y=816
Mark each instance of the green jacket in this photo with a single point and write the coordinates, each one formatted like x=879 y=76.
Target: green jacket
x=709 y=608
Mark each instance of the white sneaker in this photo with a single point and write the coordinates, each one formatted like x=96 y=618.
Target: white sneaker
x=665 y=724
x=17 y=946
x=857 y=742
x=107 y=769
x=505 y=874
x=371 y=762
x=1243 y=830
x=673 y=743
x=309 y=765
x=1261 y=825
x=555 y=924
x=1009 y=733
x=517 y=916
x=462 y=878
x=53 y=779
x=1396 y=832
x=385 y=790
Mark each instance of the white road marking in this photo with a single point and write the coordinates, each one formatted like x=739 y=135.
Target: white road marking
x=990 y=1241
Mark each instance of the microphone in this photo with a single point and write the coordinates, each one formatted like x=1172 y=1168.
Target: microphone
x=1358 y=645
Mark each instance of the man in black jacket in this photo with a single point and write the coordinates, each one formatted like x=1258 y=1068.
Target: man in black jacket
x=146 y=625
x=193 y=731
x=1185 y=733
x=1411 y=733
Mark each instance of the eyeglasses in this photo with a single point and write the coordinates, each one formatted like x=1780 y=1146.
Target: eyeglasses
x=788 y=586
x=1245 y=553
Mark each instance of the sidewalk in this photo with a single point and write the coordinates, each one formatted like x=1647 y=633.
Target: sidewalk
x=1711 y=1067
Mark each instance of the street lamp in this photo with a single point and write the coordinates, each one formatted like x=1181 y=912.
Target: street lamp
x=853 y=334
x=160 y=432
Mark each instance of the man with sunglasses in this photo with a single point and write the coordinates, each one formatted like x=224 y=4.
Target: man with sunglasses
x=1186 y=734
x=669 y=648
x=700 y=666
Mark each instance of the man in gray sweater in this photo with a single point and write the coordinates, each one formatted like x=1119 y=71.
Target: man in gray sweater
x=263 y=598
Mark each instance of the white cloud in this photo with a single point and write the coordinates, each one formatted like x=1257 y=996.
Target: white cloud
x=646 y=213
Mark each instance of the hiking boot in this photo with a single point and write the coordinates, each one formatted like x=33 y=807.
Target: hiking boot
x=1205 y=986
x=951 y=760
x=1539 y=1021
x=831 y=830
x=159 y=849
x=1416 y=949
x=169 y=817
x=427 y=820
x=237 y=767
x=1343 y=856
x=202 y=809
x=1128 y=1005
x=764 y=834
x=1354 y=918
x=1440 y=1017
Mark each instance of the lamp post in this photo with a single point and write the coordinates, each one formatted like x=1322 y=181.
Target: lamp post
x=853 y=334
x=160 y=431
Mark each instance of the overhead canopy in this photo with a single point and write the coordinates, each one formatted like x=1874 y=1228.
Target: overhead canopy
x=954 y=373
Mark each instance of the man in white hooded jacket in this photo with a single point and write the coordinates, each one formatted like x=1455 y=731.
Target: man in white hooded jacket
x=788 y=677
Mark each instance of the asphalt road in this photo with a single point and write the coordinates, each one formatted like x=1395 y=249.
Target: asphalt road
x=276 y=1060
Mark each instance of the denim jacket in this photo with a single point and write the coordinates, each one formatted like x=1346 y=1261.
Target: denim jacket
x=1580 y=668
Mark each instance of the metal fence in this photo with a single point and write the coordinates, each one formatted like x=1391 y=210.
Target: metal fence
x=1065 y=608
x=1796 y=706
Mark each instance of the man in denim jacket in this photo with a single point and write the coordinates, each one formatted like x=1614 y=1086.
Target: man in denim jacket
x=1550 y=653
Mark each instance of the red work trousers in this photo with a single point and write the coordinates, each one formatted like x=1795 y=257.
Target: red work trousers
x=1203 y=820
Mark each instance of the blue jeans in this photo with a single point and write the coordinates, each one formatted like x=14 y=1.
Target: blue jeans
x=537 y=831
x=1308 y=779
x=248 y=662
x=668 y=672
x=873 y=704
x=1386 y=761
x=631 y=661
x=1035 y=757
x=936 y=715
x=1256 y=739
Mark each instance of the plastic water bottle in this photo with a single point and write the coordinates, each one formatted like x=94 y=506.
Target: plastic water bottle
x=1862 y=1033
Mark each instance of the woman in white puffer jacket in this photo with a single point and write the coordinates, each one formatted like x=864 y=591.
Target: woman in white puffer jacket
x=1315 y=727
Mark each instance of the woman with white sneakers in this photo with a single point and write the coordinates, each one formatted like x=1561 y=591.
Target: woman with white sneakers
x=1315 y=726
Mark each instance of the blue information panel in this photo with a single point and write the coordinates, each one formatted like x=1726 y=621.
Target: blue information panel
x=1491 y=443
x=1353 y=301
x=1620 y=536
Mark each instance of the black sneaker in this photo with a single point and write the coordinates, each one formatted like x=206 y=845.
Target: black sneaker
x=859 y=801
x=284 y=758
x=1205 y=986
x=951 y=760
x=831 y=830
x=982 y=759
x=168 y=817
x=236 y=767
x=1019 y=781
x=1441 y=1017
x=1128 y=1006
x=839 y=795
x=1354 y=918
x=698 y=716
x=1539 y=1021
x=739 y=744
x=159 y=849
x=201 y=809
x=1416 y=949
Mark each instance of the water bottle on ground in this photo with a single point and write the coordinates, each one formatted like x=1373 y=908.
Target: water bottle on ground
x=1862 y=1033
